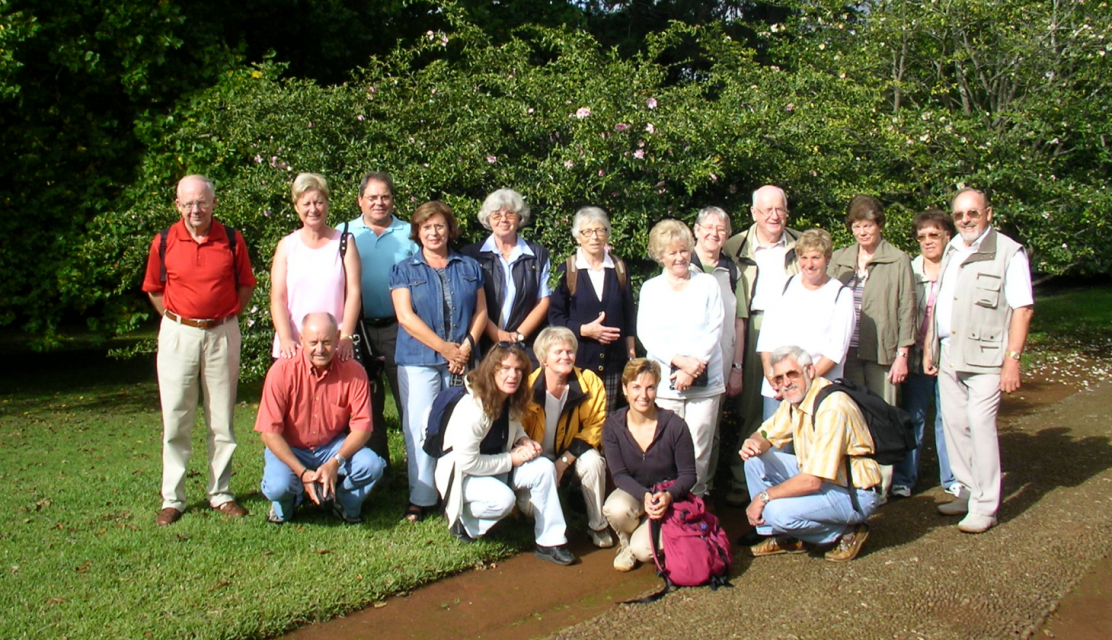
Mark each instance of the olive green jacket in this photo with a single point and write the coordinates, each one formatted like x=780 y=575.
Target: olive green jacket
x=887 y=319
x=741 y=248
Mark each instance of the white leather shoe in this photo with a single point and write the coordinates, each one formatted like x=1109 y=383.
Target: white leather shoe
x=976 y=523
x=625 y=561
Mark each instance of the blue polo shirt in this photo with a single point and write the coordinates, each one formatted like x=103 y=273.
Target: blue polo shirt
x=379 y=254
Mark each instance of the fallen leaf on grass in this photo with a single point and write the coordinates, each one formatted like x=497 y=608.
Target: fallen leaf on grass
x=379 y=605
x=42 y=504
x=323 y=551
x=220 y=585
x=54 y=601
x=182 y=537
x=85 y=567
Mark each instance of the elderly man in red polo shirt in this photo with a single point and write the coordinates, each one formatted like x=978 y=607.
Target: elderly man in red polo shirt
x=315 y=420
x=199 y=280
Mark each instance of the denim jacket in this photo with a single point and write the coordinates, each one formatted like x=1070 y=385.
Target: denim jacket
x=465 y=283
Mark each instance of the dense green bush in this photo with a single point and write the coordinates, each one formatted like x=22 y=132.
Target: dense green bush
x=552 y=114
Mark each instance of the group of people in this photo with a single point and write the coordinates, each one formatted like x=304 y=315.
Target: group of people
x=753 y=325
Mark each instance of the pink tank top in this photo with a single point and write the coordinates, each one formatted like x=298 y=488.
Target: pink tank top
x=314 y=282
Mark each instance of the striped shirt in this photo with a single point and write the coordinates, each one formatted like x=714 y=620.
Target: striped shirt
x=821 y=441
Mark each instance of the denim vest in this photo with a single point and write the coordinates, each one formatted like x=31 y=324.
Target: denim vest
x=465 y=282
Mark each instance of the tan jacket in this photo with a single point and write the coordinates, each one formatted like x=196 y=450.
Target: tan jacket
x=981 y=317
x=740 y=249
x=887 y=319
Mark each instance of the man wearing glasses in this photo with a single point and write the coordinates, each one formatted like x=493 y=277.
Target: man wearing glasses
x=199 y=280
x=983 y=313
x=765 y=255
x=804 y=496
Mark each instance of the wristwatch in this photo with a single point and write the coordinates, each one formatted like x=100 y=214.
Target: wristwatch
x=736 y=367
x=340 y=460
x=1015 y=355
x=764 y=497
x=519 y=336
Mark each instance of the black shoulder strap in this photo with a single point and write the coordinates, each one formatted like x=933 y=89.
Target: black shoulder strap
x=344 y=241
x=162 y=253
x=654 y=534
x=786 y=284
x=735 y=274
x=231 y=234
x=824 y=393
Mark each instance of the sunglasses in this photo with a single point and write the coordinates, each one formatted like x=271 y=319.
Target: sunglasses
x=788 y=376
x=972 y=214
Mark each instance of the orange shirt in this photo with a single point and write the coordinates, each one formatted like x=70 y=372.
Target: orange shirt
x=200 y=282
x=309 y=407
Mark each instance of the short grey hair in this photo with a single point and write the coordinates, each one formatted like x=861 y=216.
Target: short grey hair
x=801 y=357
x=719 y=212
x=773 y=188
x=550 y=337
x=589 y=214
x=504 y=199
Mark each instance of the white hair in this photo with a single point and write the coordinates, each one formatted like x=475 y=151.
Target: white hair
x=801 y=357
x=770 y=188
x=504 y=199
x=589 y=214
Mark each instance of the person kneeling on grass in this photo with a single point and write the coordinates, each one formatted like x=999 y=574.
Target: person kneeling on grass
x=805 y=495
x=315 y=420
x=490 y=464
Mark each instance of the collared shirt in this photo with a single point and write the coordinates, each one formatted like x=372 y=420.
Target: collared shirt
x=310 y=407
x=519 y=250
x=821 y=441
x=379 y=253
x=597 y=276
x=1017 y=281
x=200 y=283
x=428 y=297
x=770 y=266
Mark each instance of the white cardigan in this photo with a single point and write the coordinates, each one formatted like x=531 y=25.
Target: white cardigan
x=466 y=428
x=686 y=322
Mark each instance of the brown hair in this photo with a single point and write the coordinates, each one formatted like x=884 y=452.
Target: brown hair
x=864 y=208
x=428 y=210
x=637 y=366
x=486 y=390
x=934 y=218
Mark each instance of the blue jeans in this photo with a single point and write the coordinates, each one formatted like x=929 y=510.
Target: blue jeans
x=920 y=395
x=768 y=407
x=419 y=385
x=819 y=518
x=354 y=480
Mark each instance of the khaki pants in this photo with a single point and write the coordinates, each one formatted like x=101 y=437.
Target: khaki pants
x=970 y=402
x=874 y=377
x=749 y=401
x=194 y=361
x=701 y=416
x=626 y=515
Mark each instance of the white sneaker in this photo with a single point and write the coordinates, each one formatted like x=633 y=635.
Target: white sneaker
x=901 y=492
x=625 y=561
x=956 y=507
x=955 y=489
x=601 y=538
x=976 y=523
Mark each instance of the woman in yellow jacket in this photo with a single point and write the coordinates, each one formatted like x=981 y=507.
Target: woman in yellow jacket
x=565 y=416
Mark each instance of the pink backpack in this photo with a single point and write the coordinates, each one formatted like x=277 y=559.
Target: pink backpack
x=696 y=550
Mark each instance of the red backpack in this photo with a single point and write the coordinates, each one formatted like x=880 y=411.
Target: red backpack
x=695 y=550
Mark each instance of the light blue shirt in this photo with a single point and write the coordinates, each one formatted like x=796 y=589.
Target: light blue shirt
x=379 y=253
x=520 y=249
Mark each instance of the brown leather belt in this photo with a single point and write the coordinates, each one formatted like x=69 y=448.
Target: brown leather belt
x=194 y=322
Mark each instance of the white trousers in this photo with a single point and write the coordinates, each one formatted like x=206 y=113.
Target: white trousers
x=488 y=499
x=193 y=362
x=970 y=402
x=590 y=469
x=701 y=416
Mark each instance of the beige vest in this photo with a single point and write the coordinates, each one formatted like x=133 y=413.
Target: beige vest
x=979 y=326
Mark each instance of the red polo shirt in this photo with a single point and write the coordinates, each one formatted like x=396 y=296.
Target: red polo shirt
x=200 y=282
x=310 y=408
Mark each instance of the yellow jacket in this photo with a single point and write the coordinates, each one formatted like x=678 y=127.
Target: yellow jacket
x=580 y=425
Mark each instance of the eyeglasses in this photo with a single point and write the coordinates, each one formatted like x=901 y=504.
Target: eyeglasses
x=498 y=216
x=370 y=198
x=439 y=228
x=864 y=226
x=600 y=232
x=972 y=214
x=788 y=376
x=200 y=204
x=507 y=345
x=773 y=210
x=924 y=237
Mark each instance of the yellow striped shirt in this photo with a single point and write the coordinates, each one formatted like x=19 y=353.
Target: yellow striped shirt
x=821 y=441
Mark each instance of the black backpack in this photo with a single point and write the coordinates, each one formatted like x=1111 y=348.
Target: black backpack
x=442 y=408
x=163 y=239
x=890 y=427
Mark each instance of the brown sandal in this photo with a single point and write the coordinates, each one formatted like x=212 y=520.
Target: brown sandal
x=414 y=513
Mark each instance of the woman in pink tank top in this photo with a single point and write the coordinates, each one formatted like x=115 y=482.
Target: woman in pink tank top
x=309 y=275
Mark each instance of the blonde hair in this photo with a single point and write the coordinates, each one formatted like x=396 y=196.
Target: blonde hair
x=815 y=240
x=550 y=337
x=305 y=182
x=637 y=367
x=667 y=233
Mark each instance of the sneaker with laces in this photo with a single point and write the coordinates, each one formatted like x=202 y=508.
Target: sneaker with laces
x=899 y=491
x=601 y=538
x=775 y=545
x=273 y=517
x=624 y=560
x=849 y=545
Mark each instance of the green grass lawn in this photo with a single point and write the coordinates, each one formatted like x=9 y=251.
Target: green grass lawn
x=80 y=461
x=1078 y=319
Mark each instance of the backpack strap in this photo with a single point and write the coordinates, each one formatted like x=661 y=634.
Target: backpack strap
x=162 y=254
x=788 y=283
x=572 y=274
x=824 y=393
x=658 y=559
x=344 y=241
x=231 y=234
x=620 y=271
x=228 y=231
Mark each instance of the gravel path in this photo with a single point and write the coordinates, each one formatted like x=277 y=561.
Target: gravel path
x=918 y=576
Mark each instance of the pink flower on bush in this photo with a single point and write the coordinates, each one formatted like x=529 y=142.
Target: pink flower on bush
x=639 y=154
x=601 y=173
x=651 y=103
x=650 y=129
x=569 y=164
x=492 y=159
x=789 y=107
x=258 y=159
x=713 y=178
x=359 y=117
x=620 y=127
x=374 y=89
x=583 y=112
x=529 y=111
